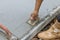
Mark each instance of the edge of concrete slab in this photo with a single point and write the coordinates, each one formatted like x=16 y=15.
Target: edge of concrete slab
x=41 y=25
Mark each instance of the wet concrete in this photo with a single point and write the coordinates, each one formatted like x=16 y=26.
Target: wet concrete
x=15 y=13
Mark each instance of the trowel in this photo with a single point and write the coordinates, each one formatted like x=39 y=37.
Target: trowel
x=12 y=37
x=33 y=22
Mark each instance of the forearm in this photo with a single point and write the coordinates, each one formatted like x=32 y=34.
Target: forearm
x=5 y=29
x=37 y=5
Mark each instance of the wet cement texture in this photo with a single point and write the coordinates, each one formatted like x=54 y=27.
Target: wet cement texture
x=15 y=13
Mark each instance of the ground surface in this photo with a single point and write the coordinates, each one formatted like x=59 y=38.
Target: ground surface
x=15 y=13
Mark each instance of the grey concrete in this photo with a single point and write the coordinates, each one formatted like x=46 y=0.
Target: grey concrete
x=15 y=13
x=47 y=19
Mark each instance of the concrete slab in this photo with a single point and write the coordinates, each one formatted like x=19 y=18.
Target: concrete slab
x=15 y=13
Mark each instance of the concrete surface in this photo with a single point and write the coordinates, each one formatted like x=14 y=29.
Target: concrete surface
x=15 y=13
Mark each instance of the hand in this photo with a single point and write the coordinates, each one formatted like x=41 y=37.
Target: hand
x=8 y=34
x=34 y=16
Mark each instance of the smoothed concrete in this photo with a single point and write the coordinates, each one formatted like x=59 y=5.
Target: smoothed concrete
x=15 y=13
